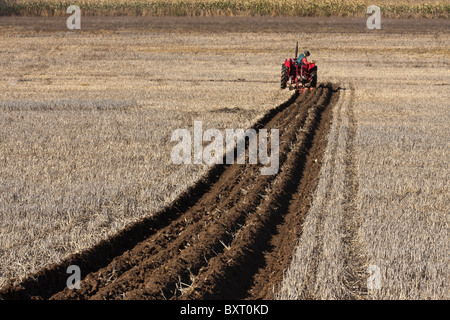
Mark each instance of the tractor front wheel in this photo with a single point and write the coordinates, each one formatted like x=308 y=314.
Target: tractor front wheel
x=284 y=76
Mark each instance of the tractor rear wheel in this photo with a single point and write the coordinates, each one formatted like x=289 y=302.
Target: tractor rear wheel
x=313 y=77
x=284 y=76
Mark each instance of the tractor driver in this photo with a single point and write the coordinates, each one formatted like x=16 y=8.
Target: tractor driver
x=302 y=60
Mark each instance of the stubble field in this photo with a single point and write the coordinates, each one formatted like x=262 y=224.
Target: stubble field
x=86 y=120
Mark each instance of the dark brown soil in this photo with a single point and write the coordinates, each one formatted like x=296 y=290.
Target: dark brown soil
x=231 y=236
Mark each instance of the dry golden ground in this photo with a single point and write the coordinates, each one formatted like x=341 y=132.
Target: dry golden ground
x=86 y=119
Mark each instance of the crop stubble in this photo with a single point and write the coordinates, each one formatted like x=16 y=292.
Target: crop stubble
x=329 y=262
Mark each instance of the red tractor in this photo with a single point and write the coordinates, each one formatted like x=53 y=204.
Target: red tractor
x=298 y=76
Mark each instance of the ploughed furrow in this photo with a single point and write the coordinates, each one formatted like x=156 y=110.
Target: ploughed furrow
x=207 y=239
x=187 y=244
x=224 y=238
x=253 y=263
